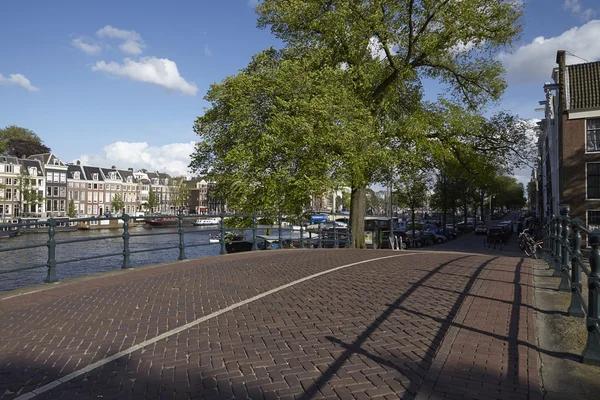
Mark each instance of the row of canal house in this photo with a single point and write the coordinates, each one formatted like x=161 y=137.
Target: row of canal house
x=91 y=189
x=568 y=170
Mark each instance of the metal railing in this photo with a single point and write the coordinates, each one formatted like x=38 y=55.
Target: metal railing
x=562 y=251
x=232 y=229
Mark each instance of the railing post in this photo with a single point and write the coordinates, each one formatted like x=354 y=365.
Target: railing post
x=558 y=247
x=301 y=235
x=125 y=236
x=336 y=243
x=279 y=232
x=551 y=242
x=576 y=308
x=181 y=232
x=223 y=249
x=564 y=267
x=51 y=243
x=254 y=244
x=591 y=354
x=320 y=245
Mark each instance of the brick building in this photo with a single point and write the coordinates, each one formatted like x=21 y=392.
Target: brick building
x=569 y=145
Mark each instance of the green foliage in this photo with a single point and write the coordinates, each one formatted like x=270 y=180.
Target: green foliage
x=179 y=193
x=20 y=142
x=117 y=204
x=325 y=110
x=71 y=212
x=30 y=197
x=152 y=201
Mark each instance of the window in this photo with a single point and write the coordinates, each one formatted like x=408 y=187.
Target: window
x=40 y=182
x=89 y=185
x=593 y=180
x=63 y=177
x=55 y=191
x=95 y=186
x=129 y=179
x=95 y=177
x=48 y=191
x=49 y=177
x=33 y=171
x=76 y=175
x=100 y=186
x=63 y=191
x=8 y=168
x=593 y=134
x=48 y=205
x=593 y=219
x=8 y=195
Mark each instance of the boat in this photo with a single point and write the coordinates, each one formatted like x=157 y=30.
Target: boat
x=83 y=226
x=8 y=232
x=161 y=222
x=214 y=239
x=207 y=221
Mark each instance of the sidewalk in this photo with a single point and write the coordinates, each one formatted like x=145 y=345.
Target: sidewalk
x=301 y=324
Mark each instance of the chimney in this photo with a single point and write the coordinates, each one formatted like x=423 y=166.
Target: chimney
x=113 y=167
x=561 y=60
x=78 y=162
x=130 y=169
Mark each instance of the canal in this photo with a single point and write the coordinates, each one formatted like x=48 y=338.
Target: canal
x=37 y=256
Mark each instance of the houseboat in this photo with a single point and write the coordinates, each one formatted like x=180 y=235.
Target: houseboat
x=161 y=222
x=207 y=221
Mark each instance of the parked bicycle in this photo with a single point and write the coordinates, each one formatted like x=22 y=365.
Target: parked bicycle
x=529 y=245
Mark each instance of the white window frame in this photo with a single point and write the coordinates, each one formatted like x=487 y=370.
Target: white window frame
x=586 y=181
x=586 y=137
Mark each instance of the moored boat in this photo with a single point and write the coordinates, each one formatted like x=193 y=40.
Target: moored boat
x=207 y=221
x=161 y=222
x=8 y=232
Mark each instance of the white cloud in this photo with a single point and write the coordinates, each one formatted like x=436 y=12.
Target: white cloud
x=17 y=80
x=576 y=9
x=133 y=42
x=159 y=71
x=207 y=51
x=534 y=62
x=171 y=158
x=83 y=44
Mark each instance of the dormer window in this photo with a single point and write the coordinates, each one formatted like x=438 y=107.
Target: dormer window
x=129 y=179
x=166 y=181
x=155 y=181
x=113 y=175
x=95 y=177
x=32 y=171
x=55 y=161
x=76 y=175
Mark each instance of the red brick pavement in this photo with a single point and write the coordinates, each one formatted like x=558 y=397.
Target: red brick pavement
x=368 y=331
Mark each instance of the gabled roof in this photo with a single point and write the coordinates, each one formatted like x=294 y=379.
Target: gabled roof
x=47 y=159
x=583 y=89
x=89 y=171
x=72 y=168
x=8 y=159
x=31 y=164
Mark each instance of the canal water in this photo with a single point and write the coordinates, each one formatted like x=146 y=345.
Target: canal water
x=38 y=256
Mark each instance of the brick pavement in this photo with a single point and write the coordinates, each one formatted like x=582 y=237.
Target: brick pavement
x=368 y=331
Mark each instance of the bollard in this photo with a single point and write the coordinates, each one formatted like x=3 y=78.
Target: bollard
x=564 y=264
x=223 y=248
x=591 y=354
x=576 y=308
x=335 y=237
x=125 y=236
x=181 y=237
x=551 y=243
x=51 y=243
x=254 y=244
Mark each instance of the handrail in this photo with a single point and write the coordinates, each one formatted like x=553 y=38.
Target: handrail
x=562 y=243
x=235 y=223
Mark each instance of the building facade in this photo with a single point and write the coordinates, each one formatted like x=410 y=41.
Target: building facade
x=10 y=170
x=55 y=172
x=569 y=147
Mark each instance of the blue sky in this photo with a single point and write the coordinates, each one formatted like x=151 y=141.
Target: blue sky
x=121 y=82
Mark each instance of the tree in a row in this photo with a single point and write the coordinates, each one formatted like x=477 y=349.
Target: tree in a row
x=343 y=102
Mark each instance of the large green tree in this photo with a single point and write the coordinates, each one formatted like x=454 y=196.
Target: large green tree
x=30 y=196
x=346 y=95
x=21 y=142
x=117 y=204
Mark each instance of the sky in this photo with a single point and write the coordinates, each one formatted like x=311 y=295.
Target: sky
x=122 y=82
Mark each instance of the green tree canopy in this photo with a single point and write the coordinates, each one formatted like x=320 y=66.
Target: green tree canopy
x=344 y=99
x=117 y=204
x=21 y=142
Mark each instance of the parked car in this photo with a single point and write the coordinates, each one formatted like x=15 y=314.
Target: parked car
x=480 y=229
x=497 y=235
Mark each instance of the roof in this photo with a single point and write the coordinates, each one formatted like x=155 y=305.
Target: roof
x=125 y=173
x=9 y=159
x=583 y=85
x=92 y=170
x=72 y=168
x=32 y=163
x=107 y=171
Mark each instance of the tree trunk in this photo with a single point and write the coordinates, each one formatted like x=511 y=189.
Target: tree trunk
x=357 y=216
x=412 y=213
x=481 y=204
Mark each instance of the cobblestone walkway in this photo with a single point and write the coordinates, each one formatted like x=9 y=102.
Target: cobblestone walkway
x=386 y=325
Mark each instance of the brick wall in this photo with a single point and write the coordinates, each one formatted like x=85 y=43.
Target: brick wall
x=573 y=172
